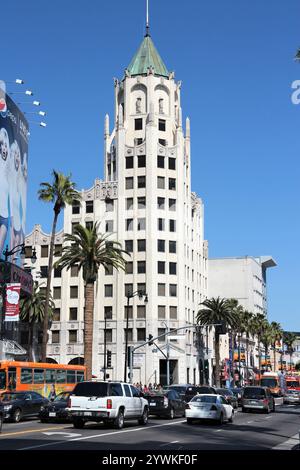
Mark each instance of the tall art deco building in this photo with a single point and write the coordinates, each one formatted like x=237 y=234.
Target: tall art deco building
x=146 y=202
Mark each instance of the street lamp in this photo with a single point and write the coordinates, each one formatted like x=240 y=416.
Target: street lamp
x=141 y=294
x=16 y=249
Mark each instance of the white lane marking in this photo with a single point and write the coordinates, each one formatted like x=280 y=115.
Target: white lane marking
x=218 y=430
x=168 y=443
x=65 y=434
x=103 y=435
x=249 y=422
x=289 y=444
x=268 y=417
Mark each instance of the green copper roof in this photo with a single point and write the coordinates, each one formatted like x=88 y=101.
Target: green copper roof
x=147 y=56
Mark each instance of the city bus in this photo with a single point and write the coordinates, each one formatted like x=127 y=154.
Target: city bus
x=275 y=381
x=292 y=382
x=37 y=376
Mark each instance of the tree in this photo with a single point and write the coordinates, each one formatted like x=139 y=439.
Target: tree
x=288 y=340
x=217 y=311
x=276 y=335
x=61 y=192
x=32 y=310
x=257 y=327
x=89 y=250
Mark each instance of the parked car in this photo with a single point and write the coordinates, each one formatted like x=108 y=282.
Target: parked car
x=110 y=402
x=167 y=403
x=257 y=398
x=238 y=391
x=57 y=409
x=292 y=397
x=187 y=391
x=211 y=407
x=229 y=395
x=1 y=416
x=18 y=405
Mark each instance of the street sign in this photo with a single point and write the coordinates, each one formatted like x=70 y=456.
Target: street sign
x=138 y=360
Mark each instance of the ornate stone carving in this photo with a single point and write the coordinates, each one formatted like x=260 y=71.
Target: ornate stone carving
x=109 y=190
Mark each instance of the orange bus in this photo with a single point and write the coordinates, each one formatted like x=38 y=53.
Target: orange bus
x=37 y=376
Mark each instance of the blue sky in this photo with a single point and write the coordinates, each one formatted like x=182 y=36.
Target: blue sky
x=235 y=59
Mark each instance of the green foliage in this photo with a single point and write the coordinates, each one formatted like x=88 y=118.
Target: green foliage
x=61 y=192
x=32 y=308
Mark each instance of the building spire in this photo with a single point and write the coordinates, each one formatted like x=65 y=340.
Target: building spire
x=147 y=19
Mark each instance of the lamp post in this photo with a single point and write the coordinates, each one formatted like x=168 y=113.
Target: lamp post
x=141 y=294
x=104 y=364
x=168 y=353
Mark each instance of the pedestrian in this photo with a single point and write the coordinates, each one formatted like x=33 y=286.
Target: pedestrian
x=12 y=384
x=52 y=394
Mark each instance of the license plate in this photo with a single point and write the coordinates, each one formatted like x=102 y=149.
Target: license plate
x=152 y=404
x=52 y=415
x=87 y=413
x=253 y=402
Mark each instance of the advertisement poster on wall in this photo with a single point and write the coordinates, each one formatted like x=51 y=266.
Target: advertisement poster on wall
x=13 y=173
x=12 y=302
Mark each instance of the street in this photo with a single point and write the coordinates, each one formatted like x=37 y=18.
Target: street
x=249 y=431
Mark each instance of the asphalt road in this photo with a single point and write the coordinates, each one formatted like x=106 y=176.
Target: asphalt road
x=249 y=431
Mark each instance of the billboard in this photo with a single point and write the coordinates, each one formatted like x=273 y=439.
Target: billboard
x=13 y=173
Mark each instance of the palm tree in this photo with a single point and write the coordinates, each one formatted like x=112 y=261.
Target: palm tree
x=257 y=326
x=217 y=311
x=246 y=320
x=61 y=192
x=89 y=250
x=297 y=56
x=267 y=340
x=276 y=333
x=288 y=341
x=32 y=310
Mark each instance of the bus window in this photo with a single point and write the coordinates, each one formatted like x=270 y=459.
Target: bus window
x=2 y=380
x=50 y=376
x=61 y=376
x=79 y=376
x=71 y=376
x=38 y=377
x=26 y=376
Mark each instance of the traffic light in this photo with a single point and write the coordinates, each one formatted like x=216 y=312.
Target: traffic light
x=108 y=359
x=149 y=339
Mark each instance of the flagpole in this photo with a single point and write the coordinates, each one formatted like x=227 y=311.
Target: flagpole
x=147 y=18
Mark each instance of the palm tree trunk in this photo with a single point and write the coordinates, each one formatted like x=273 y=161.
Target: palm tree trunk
x=30 y=339
x=217 y=355
x=50 y=266
x=239 y=356
x=274 y=345
x=247 y=358
x=259 y=359
x=88 y=328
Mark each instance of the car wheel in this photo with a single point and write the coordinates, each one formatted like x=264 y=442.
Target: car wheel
x=267 y=410
x=17 y=415
x=78 y=423
x=230 y=420
x=119 y=420
x=144 y=418
x=244 y=410
x=172 y=413
x=43 y=420
x=221 y=420
x=189 y=420
x=1 y=423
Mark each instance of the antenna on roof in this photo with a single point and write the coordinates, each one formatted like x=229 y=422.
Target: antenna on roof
x=147 y=19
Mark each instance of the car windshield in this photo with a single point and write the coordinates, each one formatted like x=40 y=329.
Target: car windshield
x=12 y=396
x=91 y=389
x=62 y=396
x=204 y=399
x=2 y=379
x=224 y=391
x=254 y=392
x=268 y=382
x=289 y=383
x=179 y=389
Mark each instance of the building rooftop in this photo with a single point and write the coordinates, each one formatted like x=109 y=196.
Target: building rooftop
x=147 y=57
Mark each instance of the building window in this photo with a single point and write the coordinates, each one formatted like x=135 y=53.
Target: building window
x=109 y=205
x=141 y=224
x=172 y=225
x=142 y=161
x=160 y=224
x=72 y=336
x=73 y=314
x=162 y=125
x=160 y=182
x=129 y=183
x=75 y=207
x=55 y=337
x=73 y=292
x=161 y=267
x=172 y=163
x=44 y=271
x=56 y=314
x=28 y=251
x=161 y=245
x=128 y=289
x=173 y=268
x=129 y=224
x=129 y=203
x=128 y=310
x=109 y=226
x=173 y=313
x=173 y=290
x=44 y=251
x=172 y=184
x=138 y=124
x=172 y=246
x=162 y=142
x=161 y=289
x=89 y=225
x=141 y=267
x=141 y=245
x=129 y=163
x=129 y=267
x=74 y=224
x=161 y=331
x=161 y=312
x=109 y=270
x=57 y=272
x=56 y=293
x=89 y=207
x=129 y=335
x=108 y=313
x=141 y=181
x=141 y=334
x=141 y=312
x=160 y=203
x=138 y=141
x=160 y=161
x=74 y=270
x=58 y=250
x=172 y=204
x=108 y=290
x=129 y=246
x=141 y=202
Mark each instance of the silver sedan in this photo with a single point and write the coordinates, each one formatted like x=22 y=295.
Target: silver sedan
x=292 y=397
x=213 y=407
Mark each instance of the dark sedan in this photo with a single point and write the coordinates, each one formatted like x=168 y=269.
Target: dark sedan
x=229 y=395
x=167 y=403
x=56 y=410
x=187 y=391
x=238 y=391
x=18 y=405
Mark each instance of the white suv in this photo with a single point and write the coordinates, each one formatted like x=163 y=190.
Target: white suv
x=110 y=402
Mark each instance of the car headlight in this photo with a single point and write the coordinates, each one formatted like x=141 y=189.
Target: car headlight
x=7 y=407
x=42 y=408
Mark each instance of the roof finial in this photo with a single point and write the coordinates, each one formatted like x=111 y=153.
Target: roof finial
x=147 y=19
